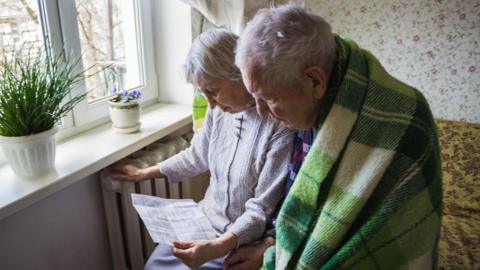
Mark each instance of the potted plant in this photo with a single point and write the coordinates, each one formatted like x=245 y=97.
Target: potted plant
x=125 y=110
x=33 y=99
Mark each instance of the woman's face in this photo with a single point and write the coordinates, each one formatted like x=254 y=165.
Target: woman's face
x=230 y=96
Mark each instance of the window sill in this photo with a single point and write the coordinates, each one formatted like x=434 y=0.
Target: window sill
x=87 y=153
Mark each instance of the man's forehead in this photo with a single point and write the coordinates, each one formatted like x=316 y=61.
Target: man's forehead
x=262 y=90
x=255 y=87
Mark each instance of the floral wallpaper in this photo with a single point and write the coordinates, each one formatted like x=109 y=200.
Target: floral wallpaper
x=430 y=44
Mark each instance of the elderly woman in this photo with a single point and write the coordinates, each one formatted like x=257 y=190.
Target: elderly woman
x=246 y=155
x=366 y=179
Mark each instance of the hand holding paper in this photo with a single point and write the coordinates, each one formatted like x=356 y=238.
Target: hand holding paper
x=195 y=253
x=169 y=219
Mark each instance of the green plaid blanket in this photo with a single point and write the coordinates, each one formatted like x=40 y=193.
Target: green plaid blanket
x=368 y=195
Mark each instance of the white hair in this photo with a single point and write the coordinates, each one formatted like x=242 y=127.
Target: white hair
x=212 y=56
x=278 y=44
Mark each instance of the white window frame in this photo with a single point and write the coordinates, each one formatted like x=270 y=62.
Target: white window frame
x=50 y=23
x=60 y=23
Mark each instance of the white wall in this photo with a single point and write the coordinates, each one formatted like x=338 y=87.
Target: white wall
x=64 y=231
x=172 y=39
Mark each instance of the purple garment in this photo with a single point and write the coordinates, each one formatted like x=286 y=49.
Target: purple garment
x=301 y=145
x=162 y=258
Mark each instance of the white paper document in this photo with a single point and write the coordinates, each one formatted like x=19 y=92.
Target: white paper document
x=171 y=219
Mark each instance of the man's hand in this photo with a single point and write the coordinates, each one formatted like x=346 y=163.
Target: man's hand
x=248 y=257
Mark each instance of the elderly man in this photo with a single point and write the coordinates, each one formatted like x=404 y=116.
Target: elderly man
x=368 y=193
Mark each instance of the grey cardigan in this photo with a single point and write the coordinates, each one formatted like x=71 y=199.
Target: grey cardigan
x=247 y=156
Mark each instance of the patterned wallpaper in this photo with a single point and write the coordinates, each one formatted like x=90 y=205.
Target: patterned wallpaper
x=430 y=44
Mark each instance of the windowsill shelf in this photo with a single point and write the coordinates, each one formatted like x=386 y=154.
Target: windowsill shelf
x=87 y=153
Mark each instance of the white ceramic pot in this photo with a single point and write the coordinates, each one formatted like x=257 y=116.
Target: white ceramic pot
x=125 y=116
x=30 y=156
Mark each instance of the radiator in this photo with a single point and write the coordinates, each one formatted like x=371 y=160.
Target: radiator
x=129 y=240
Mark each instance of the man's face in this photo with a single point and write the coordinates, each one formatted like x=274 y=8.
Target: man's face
x=295 y=107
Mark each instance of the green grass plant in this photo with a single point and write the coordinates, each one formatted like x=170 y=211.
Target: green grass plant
x=35 y=91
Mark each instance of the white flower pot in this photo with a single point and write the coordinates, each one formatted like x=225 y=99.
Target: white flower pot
x=125 y=116
x=30 y=156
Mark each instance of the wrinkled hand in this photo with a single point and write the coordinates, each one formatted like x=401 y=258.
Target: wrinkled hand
x=248 y=257
x=195 y=253
x=127 y=172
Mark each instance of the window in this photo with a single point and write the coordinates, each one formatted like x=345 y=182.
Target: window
x=109 y=33
x=103 y=26
x=106 y=33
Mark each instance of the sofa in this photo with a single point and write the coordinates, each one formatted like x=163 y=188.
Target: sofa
x=459 y=246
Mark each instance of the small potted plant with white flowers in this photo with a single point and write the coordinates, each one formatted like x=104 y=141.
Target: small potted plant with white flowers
x=125 y=110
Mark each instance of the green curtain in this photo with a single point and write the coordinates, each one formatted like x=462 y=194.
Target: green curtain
x=199 y=24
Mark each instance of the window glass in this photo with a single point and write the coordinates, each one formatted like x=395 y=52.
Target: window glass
x=108 y=38
x=19 y=26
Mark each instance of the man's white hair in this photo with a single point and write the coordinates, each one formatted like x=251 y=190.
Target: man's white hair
x=278 y=44
x=212 y=56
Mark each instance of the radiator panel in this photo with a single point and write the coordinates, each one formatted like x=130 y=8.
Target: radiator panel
x=130 y=242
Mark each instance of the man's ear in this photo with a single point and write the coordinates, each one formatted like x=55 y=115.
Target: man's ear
x=318 y=80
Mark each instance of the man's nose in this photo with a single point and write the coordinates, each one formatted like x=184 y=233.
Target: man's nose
x=262 y=108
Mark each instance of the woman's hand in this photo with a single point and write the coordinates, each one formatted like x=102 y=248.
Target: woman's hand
x=248 y=257
x=129 y=172
x=195 y=253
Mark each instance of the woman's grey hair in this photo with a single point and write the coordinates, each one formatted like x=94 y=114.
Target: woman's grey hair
x=212 y=56
x=278 y=44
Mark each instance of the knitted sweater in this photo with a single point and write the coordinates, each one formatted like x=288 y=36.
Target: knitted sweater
x=247 y=157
